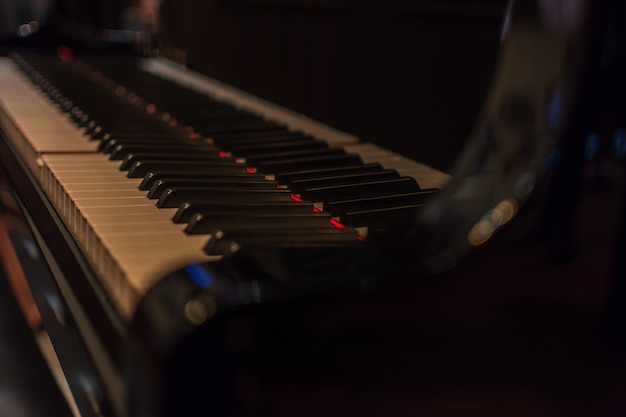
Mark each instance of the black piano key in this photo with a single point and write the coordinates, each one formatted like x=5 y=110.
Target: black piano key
x=259 y=139
x=278 y=157
x=212 y=120
x=225 y=126
x=130 y=159
x=380 y=217
x=244 y=183
x=392 y=200
x=187 y=210
x=174 y=197
x=211 y=113
x=239 y=137
x=284 y=178
x=141 y=169
x=181 y=99
x=227 y=242
x=298 y=186
x=285 y=165
x=152 y=177
x=202 y=223
x=140 y=137
x=370 y=189
x=273 y=147
x=192 y=110
x=79 y=118
x=108 y=145
x=120 y=151
x=140 y=130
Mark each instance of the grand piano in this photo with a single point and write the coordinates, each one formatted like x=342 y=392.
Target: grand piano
x=193 y=186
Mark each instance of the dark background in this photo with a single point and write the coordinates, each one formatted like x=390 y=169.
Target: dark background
x=408 y=75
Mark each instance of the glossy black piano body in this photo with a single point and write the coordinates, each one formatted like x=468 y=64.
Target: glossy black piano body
x=148 y=363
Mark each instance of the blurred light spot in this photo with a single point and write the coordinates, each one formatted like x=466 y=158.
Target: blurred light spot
x=555 y=109
x=23 y=30
x=65 y=54
x=200 y=275
x=199 y=309
x=256 y=291
x=619 y=143
x=133 y=98
x=505 y=211
x=481 y=232
x=28 y=29
x=501 y=214
x=233 y=247
x=507 y=22
x=591 y=147
x=524 y=184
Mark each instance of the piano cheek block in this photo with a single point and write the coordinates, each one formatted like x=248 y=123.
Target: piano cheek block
x=180 y=318
x=218 y=312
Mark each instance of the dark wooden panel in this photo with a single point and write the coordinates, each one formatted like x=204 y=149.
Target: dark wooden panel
x=407 y=75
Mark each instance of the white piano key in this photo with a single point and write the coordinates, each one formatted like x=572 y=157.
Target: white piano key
x=100 y=186
x=119 y=195
x=107 y=178
x=140 y=228
x=122 y=201
x=127 y=216
x=87 y=169
x=61 y=158
x=133 y=227
x=121 y=231
x=40 y=124
x=129 y=210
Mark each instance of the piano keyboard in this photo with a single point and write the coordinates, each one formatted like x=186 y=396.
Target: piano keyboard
x=180 y=169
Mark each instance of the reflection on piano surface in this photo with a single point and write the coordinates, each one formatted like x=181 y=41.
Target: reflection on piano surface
x=176 y=212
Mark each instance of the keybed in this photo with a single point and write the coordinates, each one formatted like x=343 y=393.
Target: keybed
x=140 y=188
